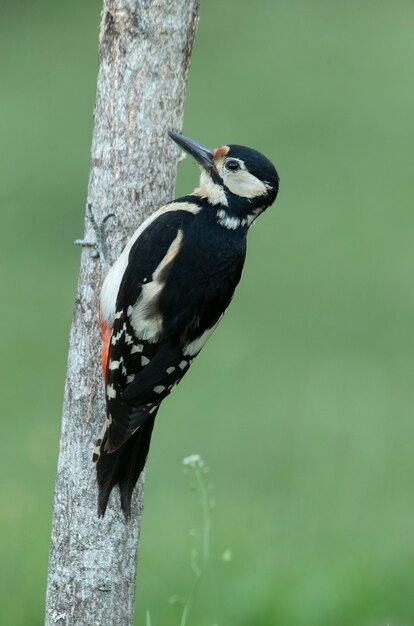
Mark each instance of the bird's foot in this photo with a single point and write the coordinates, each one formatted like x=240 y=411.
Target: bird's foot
x=98 y=244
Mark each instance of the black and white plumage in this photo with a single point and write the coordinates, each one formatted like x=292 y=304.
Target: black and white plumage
x=165 y=295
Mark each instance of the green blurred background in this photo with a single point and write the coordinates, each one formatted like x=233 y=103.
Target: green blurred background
x=302 y=403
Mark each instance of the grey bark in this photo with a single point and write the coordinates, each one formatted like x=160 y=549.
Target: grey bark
x=144 y=55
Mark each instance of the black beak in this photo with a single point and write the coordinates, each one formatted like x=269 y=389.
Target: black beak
x=202 y=154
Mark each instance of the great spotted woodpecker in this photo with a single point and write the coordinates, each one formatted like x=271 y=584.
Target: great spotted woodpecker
x=165 y=295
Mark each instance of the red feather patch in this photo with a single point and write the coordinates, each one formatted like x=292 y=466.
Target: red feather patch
x=106 y=338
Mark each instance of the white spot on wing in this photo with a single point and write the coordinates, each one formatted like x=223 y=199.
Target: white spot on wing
x=97 y=449
x=170 y=370
x=110 y=392
x=113 y=365
x=159 y=388
x=119 y=334
x=116 y=337
x=137 y=347
x=182 y=365
x=144 y=360
x=130 y=378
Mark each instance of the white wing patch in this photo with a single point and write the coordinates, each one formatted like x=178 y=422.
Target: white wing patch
x=146 y=323
x=110 y=287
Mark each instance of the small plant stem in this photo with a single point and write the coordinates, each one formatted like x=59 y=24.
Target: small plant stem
x=186 y=611
x=198 y=568
x=205 y=503
x=187 y=606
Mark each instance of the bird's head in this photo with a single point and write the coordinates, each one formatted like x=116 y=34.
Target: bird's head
x=233 y=176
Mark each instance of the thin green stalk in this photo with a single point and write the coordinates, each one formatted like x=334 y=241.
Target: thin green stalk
x=205 y=503
x=197 y=465
x=186 y=613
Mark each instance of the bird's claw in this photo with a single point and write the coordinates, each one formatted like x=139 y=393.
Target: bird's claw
x=85 y=243
x=98 y=244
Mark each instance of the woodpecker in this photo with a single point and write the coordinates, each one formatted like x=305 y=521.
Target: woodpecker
x=165 y=295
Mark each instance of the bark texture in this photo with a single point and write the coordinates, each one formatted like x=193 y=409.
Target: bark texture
x=144 y=55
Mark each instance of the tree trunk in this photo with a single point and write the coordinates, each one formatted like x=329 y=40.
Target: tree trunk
x=144 y=55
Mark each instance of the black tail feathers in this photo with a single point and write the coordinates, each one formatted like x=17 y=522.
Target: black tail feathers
x=123 y=467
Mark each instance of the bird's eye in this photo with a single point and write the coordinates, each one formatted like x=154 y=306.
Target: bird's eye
x=233 y=165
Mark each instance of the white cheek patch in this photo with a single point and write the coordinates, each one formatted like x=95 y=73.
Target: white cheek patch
x=244 y=184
